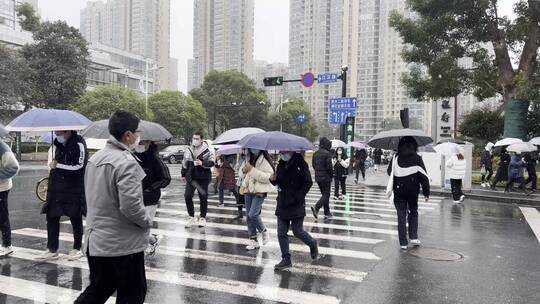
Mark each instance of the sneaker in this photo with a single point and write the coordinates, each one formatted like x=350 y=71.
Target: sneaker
x=284 y=264
x=75 y=255
x=336 y=198
x=462 y=198
x=5 y=251
x=48 y=256
x=314 y=251
x=457 y=202
x=315 y=212
x=328 y=216
x=342 y=197
x=201 y=222
x=403 y=248
x=483 y=185
x=221 y=205
x=265 y=237
x=191 y=222
x=152 y=246
x=253 y=244
x=239 y=216
x=415 y=242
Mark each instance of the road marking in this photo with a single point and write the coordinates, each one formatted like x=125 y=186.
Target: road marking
x=364 y=199
x=199 y=281
x=67 y=237
x=533 y=218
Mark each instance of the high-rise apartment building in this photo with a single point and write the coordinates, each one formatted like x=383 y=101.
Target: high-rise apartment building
x=325 y=35
x=138 y=26
x=222 y=38
x=8 y=14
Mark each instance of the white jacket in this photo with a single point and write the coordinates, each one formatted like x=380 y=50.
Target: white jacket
x=257 y=180
x=9 y=167
x=456 y=168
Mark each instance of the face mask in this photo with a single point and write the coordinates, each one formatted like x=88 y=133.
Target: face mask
x=135 y=144
x=141 y=148
x=286 y=157
x=196 y=142
x=255 y=151
x=61 y=139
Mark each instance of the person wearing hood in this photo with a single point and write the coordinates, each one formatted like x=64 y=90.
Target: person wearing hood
x=341 y=169
x=530 y=164
x=293 y=181
x=157 y=177
x=198 y=161
x=502 y=171
x=409 y=173
x=486 y=161
x=457 y=166
x=360 y=156
x=324 y=172
x=65 y=192
x=516 y=170
x=9 y=167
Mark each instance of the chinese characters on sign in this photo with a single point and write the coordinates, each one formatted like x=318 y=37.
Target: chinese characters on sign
x=445 y=119
x=341 y=108
x=327 y=78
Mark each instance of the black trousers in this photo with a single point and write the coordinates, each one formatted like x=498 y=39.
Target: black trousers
x=407 y=212
x=297 y=225
x=203 y=197
x=489 y=172
x=5 y=227
x=361 y=167
x=339 y=181
x=532 y=178
x=511 y=181
x=456 y=185
x=324 y=201
x=123 y=274
x=53 y=232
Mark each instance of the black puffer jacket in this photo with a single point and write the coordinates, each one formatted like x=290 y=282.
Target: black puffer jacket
x=409 y=185
x=65 y=193
x=294 y=181
x=322 y=161
x=157 y=175
x=486 y=160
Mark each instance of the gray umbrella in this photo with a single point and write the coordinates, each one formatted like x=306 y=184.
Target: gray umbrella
x=233 y=136
x=150 y=131
x=389 y=140
x=3 y=131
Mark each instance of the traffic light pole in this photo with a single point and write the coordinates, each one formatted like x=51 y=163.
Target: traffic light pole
x=343 y=78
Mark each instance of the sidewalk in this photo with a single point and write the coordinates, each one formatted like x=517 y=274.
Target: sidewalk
x=379 y=179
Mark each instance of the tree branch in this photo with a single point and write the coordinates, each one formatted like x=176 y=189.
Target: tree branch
x=502 y=57
x=528 y=56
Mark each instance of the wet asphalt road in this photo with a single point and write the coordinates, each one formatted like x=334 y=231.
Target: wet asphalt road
x=360 y=261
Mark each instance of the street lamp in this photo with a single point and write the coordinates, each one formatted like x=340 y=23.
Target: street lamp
x=281 y=103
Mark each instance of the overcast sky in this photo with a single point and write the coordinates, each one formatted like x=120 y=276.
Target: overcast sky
x=271 y=27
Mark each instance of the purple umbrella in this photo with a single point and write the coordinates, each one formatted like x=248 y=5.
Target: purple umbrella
x=276 y=140
x=229 y=149
x=48 y=120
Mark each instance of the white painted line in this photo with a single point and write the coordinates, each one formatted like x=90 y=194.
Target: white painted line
x=360 y=198
x=67 y=237
x=38 y=292
x=533 y=218
x=240 y=288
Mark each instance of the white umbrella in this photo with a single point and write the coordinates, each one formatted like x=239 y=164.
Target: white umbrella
x=233 y=136
x=336 y=143
x=448 y=148
x=507 y=141
x=95 y=143
x=535 y=141
x=521 y=147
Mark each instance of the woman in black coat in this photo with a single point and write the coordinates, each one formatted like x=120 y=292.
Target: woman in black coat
x=293 y=180
x=502 y=171
x=341 y=168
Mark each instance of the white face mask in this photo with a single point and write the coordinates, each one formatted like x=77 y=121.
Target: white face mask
x=196 y=142
x=141 y=148
x=135 y=144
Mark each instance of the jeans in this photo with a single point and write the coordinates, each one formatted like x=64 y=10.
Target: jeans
x=123 y=274
x=337 y=182
x=361 y=167
x=253 y=214
x=533 y=179
x=234 y=191
x=298 y=231
x=5 y=227
x=203 y=198
x=407 y=211
x=455 y=184
x=489 y=172
x=324 y=201
x=53 y=232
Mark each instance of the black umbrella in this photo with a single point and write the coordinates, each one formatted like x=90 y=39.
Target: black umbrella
x=150 y=131
x=389 y=140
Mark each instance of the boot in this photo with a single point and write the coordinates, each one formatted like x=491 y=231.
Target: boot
x=284 y=264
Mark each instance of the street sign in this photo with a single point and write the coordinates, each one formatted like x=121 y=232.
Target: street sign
x=327 y=78
x=308 y=79
x=301 y=118
x=341 y=108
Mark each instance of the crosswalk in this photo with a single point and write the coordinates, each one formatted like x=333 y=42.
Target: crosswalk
x=211 y=263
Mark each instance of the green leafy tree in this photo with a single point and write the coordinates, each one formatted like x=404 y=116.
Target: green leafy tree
x=102 y=102
x=534 y=120
x=14 y=71
x=288 y=117
x=395 y=123
x=247 y=106
x=442 y=32
x=482 y=125
x=58 y=58
x=178 y=113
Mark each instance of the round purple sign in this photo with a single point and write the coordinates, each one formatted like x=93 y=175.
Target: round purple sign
x=308 y=79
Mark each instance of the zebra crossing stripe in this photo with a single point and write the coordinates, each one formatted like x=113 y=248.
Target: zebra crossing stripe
x=362 y=200
x=38 y=292
x=199 y=281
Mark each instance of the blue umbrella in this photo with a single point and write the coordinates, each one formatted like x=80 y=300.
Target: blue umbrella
x=276 y=140
x=42 y=120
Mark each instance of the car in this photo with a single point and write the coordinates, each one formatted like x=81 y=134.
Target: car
x=173 y=154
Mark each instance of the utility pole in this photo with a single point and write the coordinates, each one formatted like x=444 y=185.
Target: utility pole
x=343 y=78
x=146 y=89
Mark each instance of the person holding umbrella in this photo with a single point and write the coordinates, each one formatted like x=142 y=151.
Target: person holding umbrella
x=341 y=168
x=226 y=179
x=457 y=166
x=157 y=177
x=377 y=157
x=502 y=171
x=530 y=164
x=486 y=161
x=515 y=173
x=293 y=181
x=360 y=156
x=9 y=167
x=65 y=193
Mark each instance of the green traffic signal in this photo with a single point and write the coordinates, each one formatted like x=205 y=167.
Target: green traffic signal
x=273 y=81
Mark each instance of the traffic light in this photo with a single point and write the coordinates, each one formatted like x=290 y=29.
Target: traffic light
x=273 y=81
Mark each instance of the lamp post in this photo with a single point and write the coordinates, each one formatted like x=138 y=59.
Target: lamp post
x=281 y=103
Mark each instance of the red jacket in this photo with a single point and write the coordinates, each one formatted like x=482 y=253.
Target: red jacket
x=226 y=177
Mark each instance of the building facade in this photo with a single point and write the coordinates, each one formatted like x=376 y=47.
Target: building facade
x=222 y=38
x=141 y=27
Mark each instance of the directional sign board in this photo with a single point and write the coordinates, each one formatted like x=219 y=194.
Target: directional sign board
x=327 y=78
x=341 y=108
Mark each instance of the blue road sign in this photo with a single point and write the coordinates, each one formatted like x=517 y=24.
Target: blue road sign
x=327 y=78
x=308 y=79
x=341 y=108
x=301 y=118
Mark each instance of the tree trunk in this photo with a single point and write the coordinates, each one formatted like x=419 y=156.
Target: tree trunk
x=515 y=118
